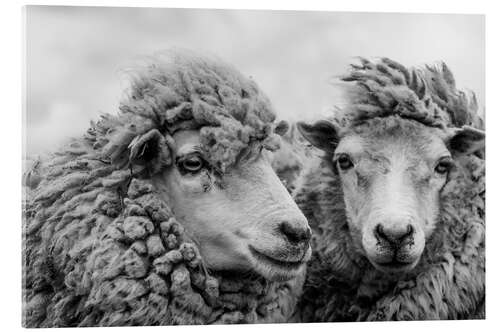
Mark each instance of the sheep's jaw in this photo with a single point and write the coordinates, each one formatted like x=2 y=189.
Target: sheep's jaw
x=276 y=268
x=395 y=267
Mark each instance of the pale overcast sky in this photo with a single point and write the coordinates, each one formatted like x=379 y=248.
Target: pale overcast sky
x=74 y=55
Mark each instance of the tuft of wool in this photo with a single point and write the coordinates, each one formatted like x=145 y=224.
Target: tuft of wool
x=428 y=95
x=181 y=90
x=449 y=281
x=100 y=247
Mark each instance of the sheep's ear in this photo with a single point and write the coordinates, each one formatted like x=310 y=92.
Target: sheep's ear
x=466 y=140
x=151 y=150
x=322 y=134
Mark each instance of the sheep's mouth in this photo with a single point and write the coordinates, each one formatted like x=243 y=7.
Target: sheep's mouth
x=395 y=266
x=273 y=262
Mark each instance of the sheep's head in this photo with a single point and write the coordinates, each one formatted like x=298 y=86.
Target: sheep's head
x=242 y=218
x=392 y=169
x=199 y=130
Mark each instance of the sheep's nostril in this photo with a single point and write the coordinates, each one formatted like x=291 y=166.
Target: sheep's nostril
x=409 y=231
x=379 y=232
x=394 y=235
x=295 y=233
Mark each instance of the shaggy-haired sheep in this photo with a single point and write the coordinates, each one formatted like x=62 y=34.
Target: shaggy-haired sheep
x=397 y=202
x=167 y=213
x=291 y=157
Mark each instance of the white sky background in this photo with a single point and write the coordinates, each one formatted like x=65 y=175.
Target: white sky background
x=74 y=55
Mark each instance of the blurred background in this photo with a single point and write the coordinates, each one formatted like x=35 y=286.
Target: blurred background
x=74 y=55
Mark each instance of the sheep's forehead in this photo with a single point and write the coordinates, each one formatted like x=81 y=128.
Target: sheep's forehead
x=186 y=141
x=404 y=144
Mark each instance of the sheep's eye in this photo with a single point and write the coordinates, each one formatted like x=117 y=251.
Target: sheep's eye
x=191 y=164
x=444 y=165
x=344 y=162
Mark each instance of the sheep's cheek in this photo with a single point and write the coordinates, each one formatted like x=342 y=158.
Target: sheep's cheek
x=418 y=243
x=353 y=207
x=193 y=185
x=430 y=199
x=369 y=241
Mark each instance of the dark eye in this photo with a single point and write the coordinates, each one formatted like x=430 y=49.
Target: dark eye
x=192 y=164
x=444 y=165
x=344 y=162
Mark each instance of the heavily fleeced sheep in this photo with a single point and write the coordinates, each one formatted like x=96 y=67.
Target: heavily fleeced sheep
x=291 y=158
x=104 y=247
x=398 y=226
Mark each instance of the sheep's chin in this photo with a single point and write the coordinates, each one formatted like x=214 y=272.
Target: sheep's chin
x=394 y=269
x=277 y=270
x=275 y=274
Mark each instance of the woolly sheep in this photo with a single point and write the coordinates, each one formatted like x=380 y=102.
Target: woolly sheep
x=166 y=213
x=396 y=203
x=291 y=157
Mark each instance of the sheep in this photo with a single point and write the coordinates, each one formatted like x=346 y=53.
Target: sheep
x=167 y=212
x=396 y=202
x=291 y=157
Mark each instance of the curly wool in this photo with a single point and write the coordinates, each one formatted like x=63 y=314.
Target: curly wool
x=427 y=95
x=449 y=281
x=100 y=246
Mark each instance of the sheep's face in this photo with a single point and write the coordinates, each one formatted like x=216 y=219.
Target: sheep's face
x=392 y=172
x=391 y=182
x=244 y=219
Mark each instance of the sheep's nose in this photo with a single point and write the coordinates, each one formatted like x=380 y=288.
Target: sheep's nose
x=295 y=232
x=395 y=235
